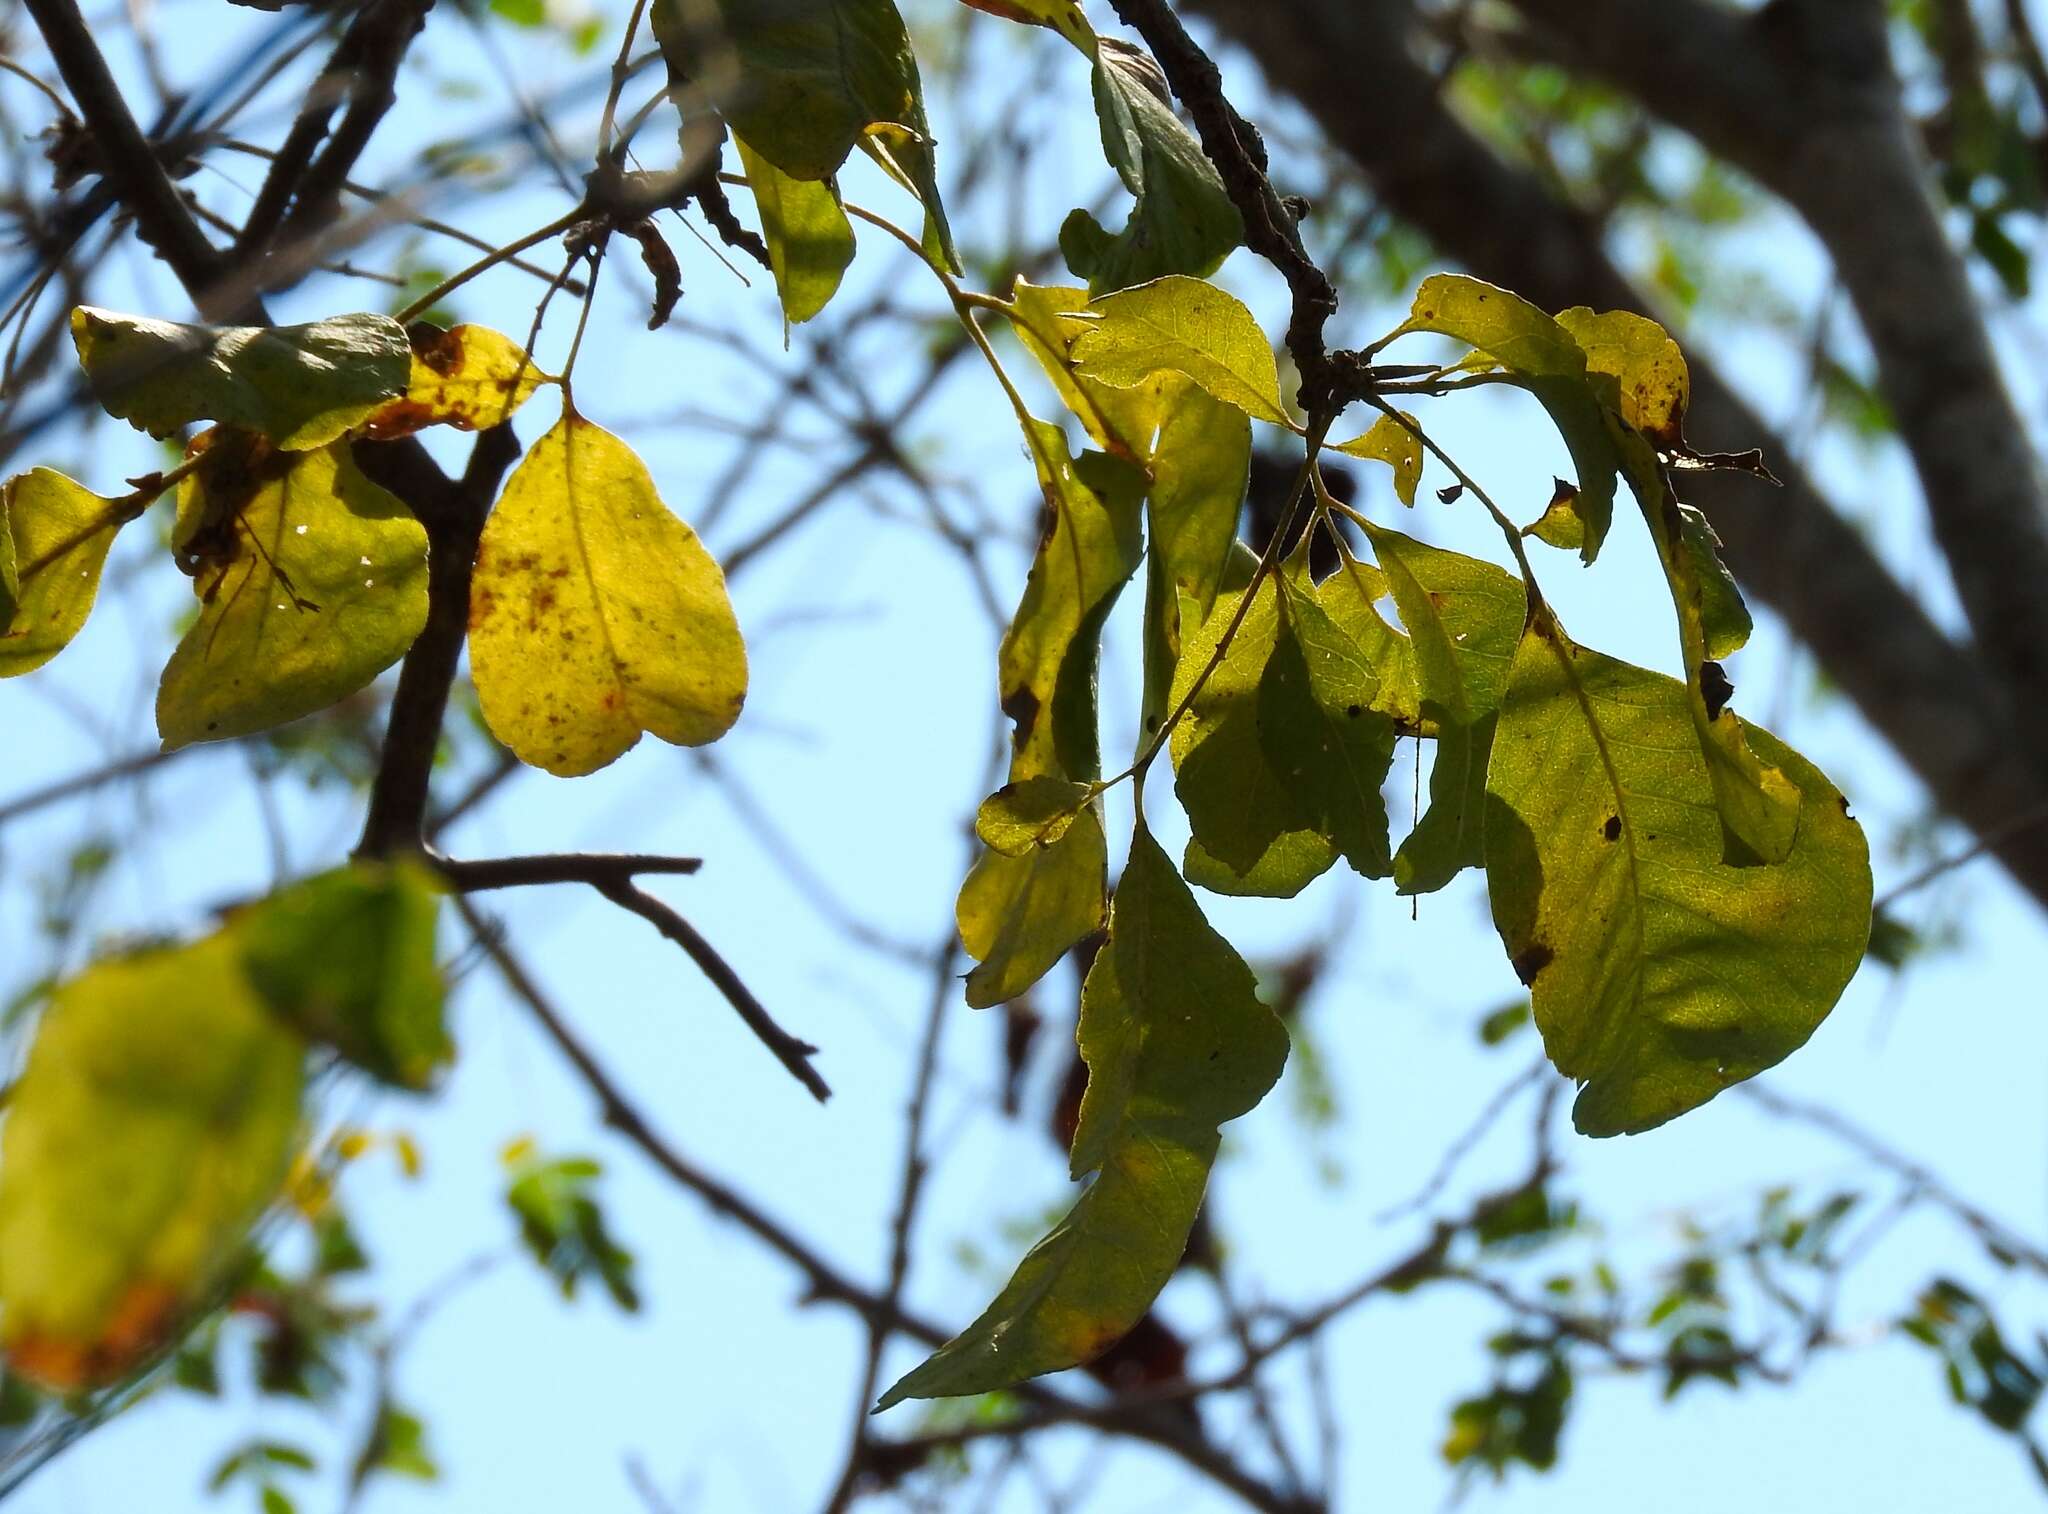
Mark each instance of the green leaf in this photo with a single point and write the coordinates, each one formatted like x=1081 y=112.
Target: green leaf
x=1725 y=623
x=1396 y=445
x=1183 y=221
x=57 y=534
x=347 y=959
x=1018 y=915
x=810 y=241
x=469 y=377
x=1659 y=975
x=152 y=1123
x=1559 y=524
x=804 y=81
x=311 y=582
x=1182 y=325
x=1048 y=320
x=1087 y=550
x=564 y=1227
x=299 y=386
x=1251 y=832
x=1322 y=733
x=1031 y=813
x=1759 y=806
x=1542 y=357
x=1176 y=1043
x=595 y=613
x=1350 y=597
x=1464 y=618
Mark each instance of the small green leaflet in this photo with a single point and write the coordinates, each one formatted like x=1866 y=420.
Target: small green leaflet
x=1464 y=618
x=311 y=582
x=1032 y=812
x=152 y=1123
x=1725 y=622
x=1396 y=445
x=57 y=534
x=1018 y=914
x=1182 y=325
x=299 y=386
x=1176 y=1043
x=1183 y=221
x=347 y=959
x=1659 y=975
x=810 y=241
x=1540 y=356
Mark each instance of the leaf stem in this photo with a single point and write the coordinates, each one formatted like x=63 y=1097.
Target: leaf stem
x=487 y=262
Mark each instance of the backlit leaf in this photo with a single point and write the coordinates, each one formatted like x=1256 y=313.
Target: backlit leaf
x=1182 y=325
x=1048 y=320
x=1019 y=914
x=468 y=377
x=1659 y=975
x=1183 y=221
x=311 y=581
x=299 y=386
x=1464 y=618
x=1396 y=445
x=1176 y=1043
x=1030 y=813
x=1725 y=622
x=347 y=959
x=58 y=533
x=595 y=613
x=1651 y=384
x=1543 y=358
x=1062 y=16
x=1251 y=833
x=152 y=1123
x=810 y=241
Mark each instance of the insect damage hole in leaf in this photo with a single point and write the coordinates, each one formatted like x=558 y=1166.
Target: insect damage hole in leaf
x=595 y=613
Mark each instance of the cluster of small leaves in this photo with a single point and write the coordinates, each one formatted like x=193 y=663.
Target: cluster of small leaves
x=561 y=1222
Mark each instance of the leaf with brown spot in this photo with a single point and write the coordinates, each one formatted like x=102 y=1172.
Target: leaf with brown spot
x=469 y=377
x=595 y=613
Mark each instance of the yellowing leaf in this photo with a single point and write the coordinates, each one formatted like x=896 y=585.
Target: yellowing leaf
x=1176 y=1043
x=347 y=958
x=1048 y=320
x=595 y=613
x=152 y=1123
x=1542 y=357
x=1018 y=915
x=1659 y=975
x=1062 y=16
x=311 y=581
x=1396 y=445
x=1183 y=221
x=810 y=241
x=1030 y=813
x=57 y=533
x=1182 y=325
x=1651 y=384
x=299 y=386
x=1559 y=524
x=468 y=377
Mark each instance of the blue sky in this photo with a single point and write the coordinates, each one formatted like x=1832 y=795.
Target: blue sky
x=867 y=735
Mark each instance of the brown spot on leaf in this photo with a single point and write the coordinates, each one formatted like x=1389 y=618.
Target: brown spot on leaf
x=1021 y=705
x=1612 y=829
x=1716 y=688
x=440 y=350
x=1531 y=960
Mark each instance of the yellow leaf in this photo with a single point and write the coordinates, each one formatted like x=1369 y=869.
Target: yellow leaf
x=596 y=614
x=60 y=532
x=311 y=580
x=153 y=1121
x=468 y=377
